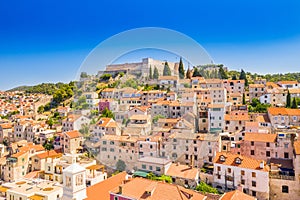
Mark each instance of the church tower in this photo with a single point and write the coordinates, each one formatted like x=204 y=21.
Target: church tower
x=74 y=182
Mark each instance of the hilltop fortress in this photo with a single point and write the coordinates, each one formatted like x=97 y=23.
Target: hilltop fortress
x=142 y=67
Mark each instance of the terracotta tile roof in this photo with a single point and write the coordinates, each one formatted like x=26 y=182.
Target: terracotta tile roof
x=239 y=117
x=31 y=146
x=141 y=108
x=174 y=78
x=48 y=154
x=101 y=190
x=139 y=188
x=21 y=153
x=236 y=195
x=108 y=90
x=73 y=134
x=287 y=82
x=6 y=126
x=247 y=162
x=104 y=121
x=294 y=90
x=283 y=111
x=256 y=85
x=182 y=171
x=272 y=85
x=260 y=137
x=297 y=147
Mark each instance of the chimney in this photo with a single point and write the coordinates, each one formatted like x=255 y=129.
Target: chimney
x=191 y=161
x=120 y=189
x=262 y=164
x=177 y=164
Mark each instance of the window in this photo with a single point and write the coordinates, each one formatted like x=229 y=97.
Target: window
x=229 y=170
x=116 y=198
x=285 y=189
x=150 y=167
x=143 y=166
x=268 y=144
x=79 y=180
x=252 y=152
x=254 y=183
x=243 y=181
x=186 y=156
x=252 y=143
x=286 y=145
x=253 y=174
x=104 y=142
x=195 y=149
x=158 y=169
x=254 y=193
x=268 y=153
x=219 y=168
x=219 y=176
x=286 y=155
x=242 y=172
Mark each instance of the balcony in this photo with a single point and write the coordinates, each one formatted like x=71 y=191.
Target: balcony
x=283 y=177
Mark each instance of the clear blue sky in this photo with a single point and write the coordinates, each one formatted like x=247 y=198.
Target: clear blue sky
x=46 y=41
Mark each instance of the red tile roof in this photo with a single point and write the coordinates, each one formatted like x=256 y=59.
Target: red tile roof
x=260 y=137
x=101 y=190
x=247 y=162
x=73 y=134
x=236 y=195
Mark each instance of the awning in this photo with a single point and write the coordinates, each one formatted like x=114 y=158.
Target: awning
x=140 y=174
x=36 y=197
x=95 y=167
x=3 y=189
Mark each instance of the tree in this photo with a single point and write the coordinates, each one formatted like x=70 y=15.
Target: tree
x=107 y=113
x=48 y=145
x=288 y=100
x=188 y=74
x=243 y=76
x=294 y=103
x=181 y=69
x=41 y=109
x=157 y=117
x=196 y=72
x=150 y=73
x=244 y=99
x=155 y=73
x=83 y=75
x=222 y=73
x=203 y=187
x=167 y=70
x=121 y=166
x=234 y=77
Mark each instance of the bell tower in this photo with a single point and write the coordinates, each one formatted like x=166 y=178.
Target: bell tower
x=74 y=182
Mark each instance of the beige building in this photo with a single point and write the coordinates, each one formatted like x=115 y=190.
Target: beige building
x=232 y=171
x=284 y=117
x=71 y=141
x=25 y=189
x=256 y=90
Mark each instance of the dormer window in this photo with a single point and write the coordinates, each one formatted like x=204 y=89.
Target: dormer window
x=222 y=158
x=238 y=161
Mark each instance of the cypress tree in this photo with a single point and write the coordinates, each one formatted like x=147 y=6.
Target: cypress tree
x=222 y=73
x=155 y=73
x=196 y=72
x=181 y=69
x=188 y=74
x=288 y=100
x=243 y=76
x=234 y=77
x=167 y=70
x=150 y=73
x=244 y=99
x=294 y=103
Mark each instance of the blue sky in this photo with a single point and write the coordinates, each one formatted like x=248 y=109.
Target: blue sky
x=46 y=41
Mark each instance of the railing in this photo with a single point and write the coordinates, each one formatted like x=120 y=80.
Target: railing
x=284 y=177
